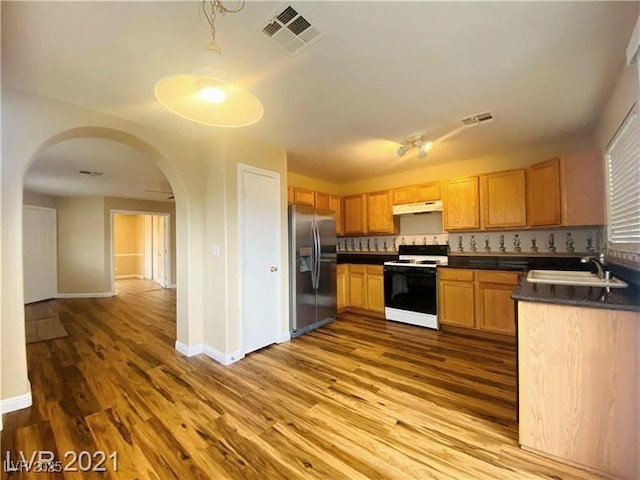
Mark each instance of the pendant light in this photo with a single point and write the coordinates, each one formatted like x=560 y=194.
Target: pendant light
x=206 y=96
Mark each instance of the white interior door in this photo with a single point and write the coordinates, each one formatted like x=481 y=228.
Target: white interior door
x=147 y=223
x=158 y=250
x=260 y=257
x=39 y=254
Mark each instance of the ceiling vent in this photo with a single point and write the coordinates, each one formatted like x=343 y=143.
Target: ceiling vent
x=89 y=173
x=292 y=31
x=477 y=119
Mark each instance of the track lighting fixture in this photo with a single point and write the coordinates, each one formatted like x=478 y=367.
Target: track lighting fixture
x=415 y=141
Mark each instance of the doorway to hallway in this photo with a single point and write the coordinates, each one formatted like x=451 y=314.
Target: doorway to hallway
x=140 y=246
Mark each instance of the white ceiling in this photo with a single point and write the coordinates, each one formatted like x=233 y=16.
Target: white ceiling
x=126 y=172
x=385 y=70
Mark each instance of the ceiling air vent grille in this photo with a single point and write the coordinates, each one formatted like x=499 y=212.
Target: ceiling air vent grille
x=291 y=30
x=477 y=119
x=90 y=173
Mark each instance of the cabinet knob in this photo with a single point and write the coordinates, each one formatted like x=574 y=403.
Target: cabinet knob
x=273 y=269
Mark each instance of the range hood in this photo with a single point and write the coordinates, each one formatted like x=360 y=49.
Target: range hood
x=422 y=207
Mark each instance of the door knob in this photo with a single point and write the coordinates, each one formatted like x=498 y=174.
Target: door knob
x=273 y=269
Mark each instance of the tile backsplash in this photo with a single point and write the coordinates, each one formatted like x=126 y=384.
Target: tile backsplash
x=565 y=240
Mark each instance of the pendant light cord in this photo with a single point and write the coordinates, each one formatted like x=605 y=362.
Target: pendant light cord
x=211 y=8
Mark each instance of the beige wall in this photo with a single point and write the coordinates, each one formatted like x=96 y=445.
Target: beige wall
x=81 y=245
x=303 y=181
x=203 y=176
x=142 y=206
x=128 y=246
x=623 y=96
x=38 y=199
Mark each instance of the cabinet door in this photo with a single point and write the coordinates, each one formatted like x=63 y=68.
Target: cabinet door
x=503 y=200
x=355 y=214
x=428 y=192
x=495 y=310
x=456 y=297
x=335 y=205
x=543 y=193
x=404 y=195
x=460 y=204
x=375 y=288
x=290 y=195
x=322 y=201
x=380 y=213
x=582 y=189
x=357 y=287
x=342 y=286
x=304 y=197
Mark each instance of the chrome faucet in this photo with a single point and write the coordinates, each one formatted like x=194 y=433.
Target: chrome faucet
x=598 y=263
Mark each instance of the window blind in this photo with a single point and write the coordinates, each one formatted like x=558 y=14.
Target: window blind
x=623 y=162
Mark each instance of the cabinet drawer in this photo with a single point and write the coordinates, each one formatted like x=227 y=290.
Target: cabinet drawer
x=374 y=269
x=506 y=278
x=353 y=268
x=455 y=274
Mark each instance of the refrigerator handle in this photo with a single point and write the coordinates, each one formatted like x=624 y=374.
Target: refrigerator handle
x=313 y=256
x=318 y=256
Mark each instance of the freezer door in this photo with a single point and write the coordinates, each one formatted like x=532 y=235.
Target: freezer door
x=302 y=258
x=326 y=293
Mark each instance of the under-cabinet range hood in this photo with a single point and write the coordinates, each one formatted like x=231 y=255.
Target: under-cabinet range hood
x=422 y=207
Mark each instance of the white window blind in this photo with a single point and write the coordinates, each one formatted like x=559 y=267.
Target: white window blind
x=623 y=162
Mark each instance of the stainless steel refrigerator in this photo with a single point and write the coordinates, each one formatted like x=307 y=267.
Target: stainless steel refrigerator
x=312 y=260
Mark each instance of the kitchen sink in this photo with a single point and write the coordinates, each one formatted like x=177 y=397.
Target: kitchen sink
x=572 y=277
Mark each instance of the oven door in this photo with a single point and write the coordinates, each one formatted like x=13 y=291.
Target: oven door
x=413 y=289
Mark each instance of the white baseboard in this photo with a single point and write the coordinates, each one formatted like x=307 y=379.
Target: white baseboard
x=217 y=355
x=85 y=295
x=223 y=358
x=16 y=403
x=189 y=351
x=284 y=336
x=132 y=275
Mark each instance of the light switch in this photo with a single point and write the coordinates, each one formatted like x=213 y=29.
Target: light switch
x=215 y=250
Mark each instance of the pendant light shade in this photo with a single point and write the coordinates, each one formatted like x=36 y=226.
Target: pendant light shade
x=205 y=96
x=208 y=101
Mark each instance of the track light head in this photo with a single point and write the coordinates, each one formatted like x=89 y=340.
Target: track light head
x=402 y=150
x=415 y=141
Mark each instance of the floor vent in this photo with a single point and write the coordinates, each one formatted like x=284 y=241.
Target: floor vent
x=477 y=119
x=292 y=30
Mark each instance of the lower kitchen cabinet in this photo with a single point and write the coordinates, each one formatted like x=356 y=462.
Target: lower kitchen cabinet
x=357 y=286
x=342 y=286
x=456 y=297
x=495 y=311
x=360 y=287
x=479 y=299
x=375 y=288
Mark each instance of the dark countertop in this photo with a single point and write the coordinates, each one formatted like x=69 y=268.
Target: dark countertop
x=368 y=258
x=515 y=262
x=588 y=297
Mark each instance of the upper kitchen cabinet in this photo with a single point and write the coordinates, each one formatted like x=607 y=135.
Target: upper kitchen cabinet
x=303 y=196
x=582 y=179
x=335 y=205
x=543 y=193
x=322 y=201
x=380 y=213
x=404 y=195
x=355 y=214
x=503 y=199
x=460 y=202
x=428 y=192
x=566 y=191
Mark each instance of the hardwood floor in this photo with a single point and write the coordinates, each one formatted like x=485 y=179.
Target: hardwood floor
x=125 y=286
x=360 y=398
